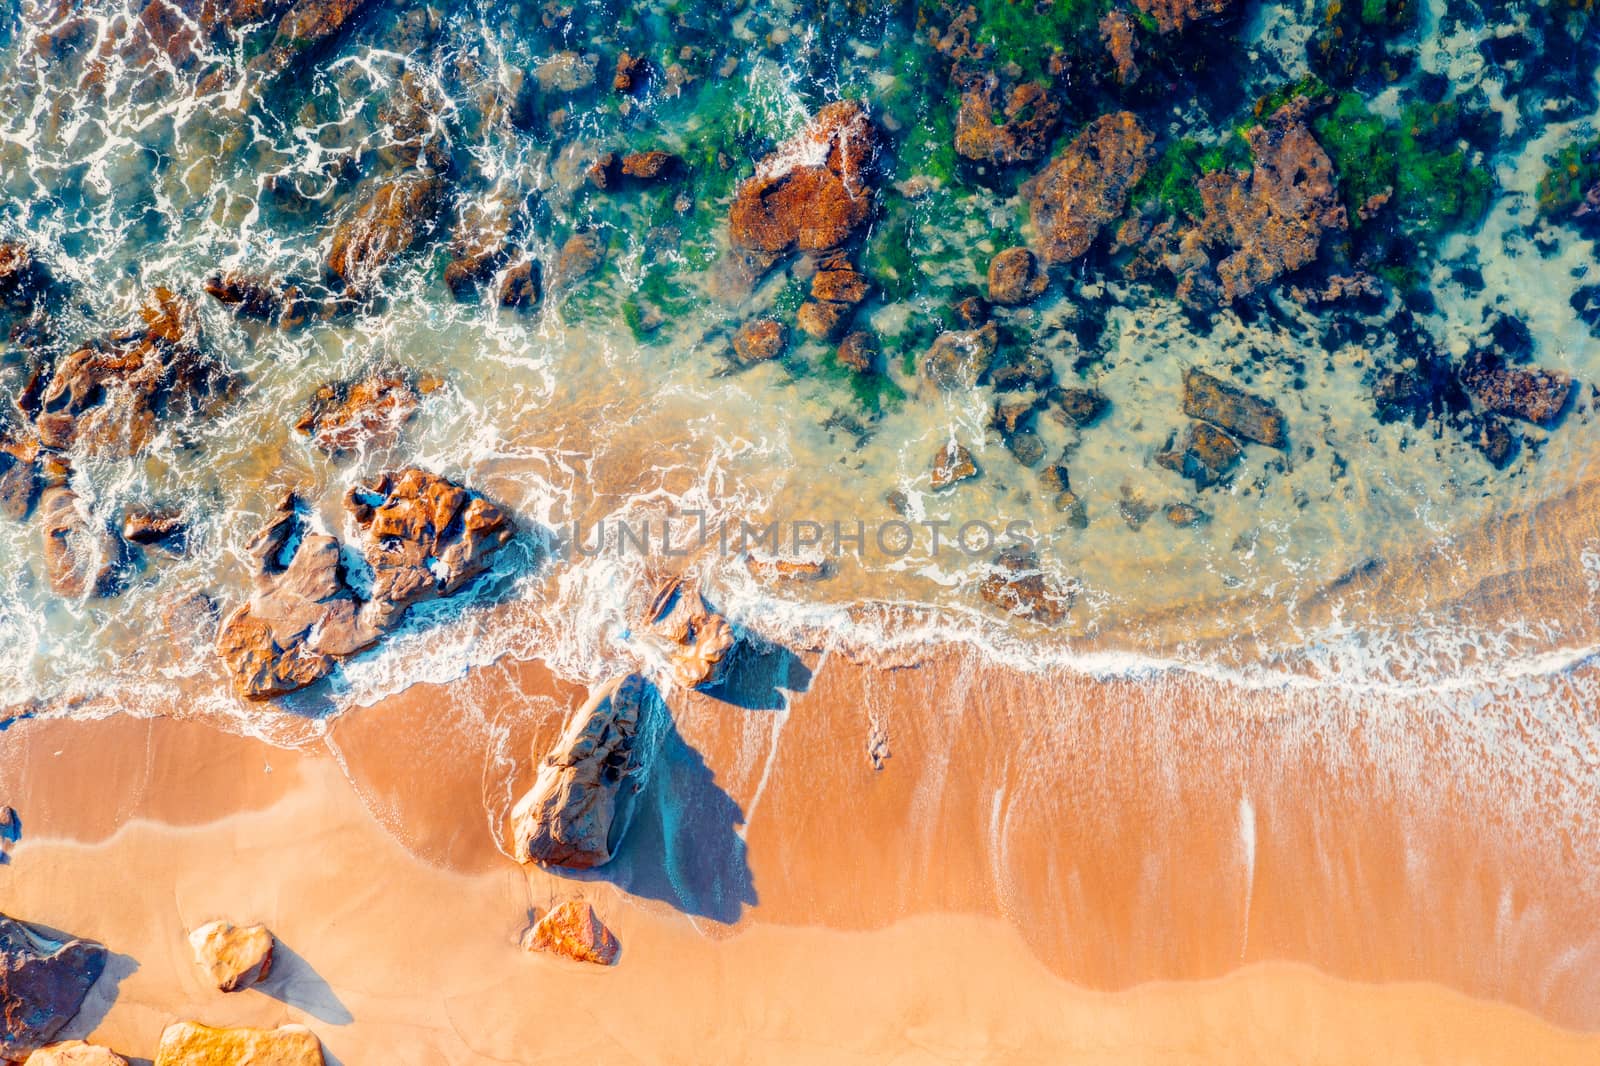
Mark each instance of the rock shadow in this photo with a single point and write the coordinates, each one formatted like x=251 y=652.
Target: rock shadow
x=683 y=845
x=102 y=994
x=759 y=674
x=295 y=982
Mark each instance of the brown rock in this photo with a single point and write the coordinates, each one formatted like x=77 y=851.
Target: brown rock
x=632 y=73
x=813 y=194
x=859 y=352
x=784 y=570
x=582 y=799
x=392 y=218
x=1174 y=15
x=1529 y=393
x=1086 y=186
x=81 y=557
x=520 y=288
x=1233 y=409
x=1274 y=218
x=971 y=312
x=368 y=412
x=1117 y=34
x=247 y=295
x=843 y=286
x=951 y=464
x=1205 y=457
x=1031 y=117
x=1018 y=586
x=193 y=1044
x=1015 y=277
x=700 y=638
x=959 y=358
x=650 y=166
x=580 y=256
x=574 y=931
x=821 y=319
x=75 y=1053
x=154 y=526
x=23 y=277
x=306 y=24
x=760 y=340
x=1013 y=414
x=19 y=475
x=1068 y=503
x=1183 y=514
x=604 y=171
x=43 y=982
x=233 y=957
x=1080 y=407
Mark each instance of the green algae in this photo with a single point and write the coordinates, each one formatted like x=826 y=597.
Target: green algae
x=1571 y=172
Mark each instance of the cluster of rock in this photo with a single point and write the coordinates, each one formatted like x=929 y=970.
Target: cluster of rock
x=422 y=537
x=368 y=411
x=1221 y=415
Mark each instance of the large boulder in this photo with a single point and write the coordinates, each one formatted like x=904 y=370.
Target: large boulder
x=392 y=218
x=193 y=1044
x=583 y=797
x=813 y=194
x=1233 y=409
x=1087 y=185
x=43 y=982
x=699 y=639
x=233 y=957
x=75 y=1053
x=574 y=931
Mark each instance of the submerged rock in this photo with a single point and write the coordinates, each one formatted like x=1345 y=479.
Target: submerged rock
x=1080 y=407
x=580 y=257
x=813 y=194
x=632 y=73
x=43 y=982
x=951 y=464
x=1015 y=277
x=193 y=1044
x=859 y=351
x=346 y=416
x=574 y=931
x=231 y=956
x=392 y=218
x=1233 y=409
x=24 y=279
x=759 y=341
x=1529 y=393
x=520 y=289
x=1087 y=185
x=1206 y=456
x=1174 y=15
x=565 y=72
x=75 y=1053
x=1017 y=585
x=152 y=526
x=81 y=556
x=1006 y=127
x=958 y=359
x=247 y=295
x=19 y=475
x=583 y=797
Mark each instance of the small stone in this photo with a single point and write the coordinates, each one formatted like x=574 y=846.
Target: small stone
x=859 y=352
x=1206 y=456
x=821 y=319
x=650 y=166
x=1081 y=407
x=761 y=340
x=1015 y=277
x=953 y=463
x=1183 y=514
x=231 y=956
x=154 y=526
x=1027 y=447
x=574 y=931
x=1070 y=505
x=971 y=312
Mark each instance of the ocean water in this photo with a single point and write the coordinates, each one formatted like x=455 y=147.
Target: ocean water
x=1357 y=557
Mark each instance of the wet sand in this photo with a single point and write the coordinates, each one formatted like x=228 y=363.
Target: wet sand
x=1161 y=871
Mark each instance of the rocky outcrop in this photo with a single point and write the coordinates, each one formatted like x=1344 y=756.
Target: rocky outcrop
x=1233 y=409
x=583 y=796
x=75 y=1053
x=699 y=639
x=812 y=195
x=232 y=957
x=1174 y=15
x=1205 y=456
x=43 y=982
x=759 y=341
x=81 y=556
x=110 y=396
x=958 y=359
x=1086 y=186
x=1005 y=128
x=388 y=222
x=1017 y=585
x=368 y=412
x=1015 y=277
x=424 y=537
x=1529 y=393
x=193 y=1044
x=574 y=931
x=951 y=464
x=1270 y=221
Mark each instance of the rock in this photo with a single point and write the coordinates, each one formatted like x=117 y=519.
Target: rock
x=387 y=223
x=19 y=476
x=193 y=1044
x=566 y=72
x=163 y=527
x=247 y=295
x=957 y=359
x=1206 y=456
x=650 y=166
x=1018 y=586
x=1026 y=447
x=784 y=570
x=75 y=1053
x=760 y=340
x=1531 y=394
x=844 y=285
x=424 y=537
x=24 y=279
x=700 y=637
x=859 y=352
x=302 y=615
x=810 y=196
x=1183 y=514
x=1174 y=15
x=1013 y=414
x=1070 y=505
x=81 y=556
x=574 y=931
x=951 y=464
x=1087 y=185
x=1232 y=409
x=970 y=313
x=367 y=412
x=43 y=982
x=1118 y=34
x=480 y=242
x=582 y=799
x=306 y=24
x=580 y=256
x=1494 y=438
x=1031 y=117
x=1021 y=370
x=1273 y=219
x=412 y=111
x=821 y=319
x=520 y=288
x=109 y=396
x=1080 y=407
x=233 y=957
x=632 y=73
x=1015 y=277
